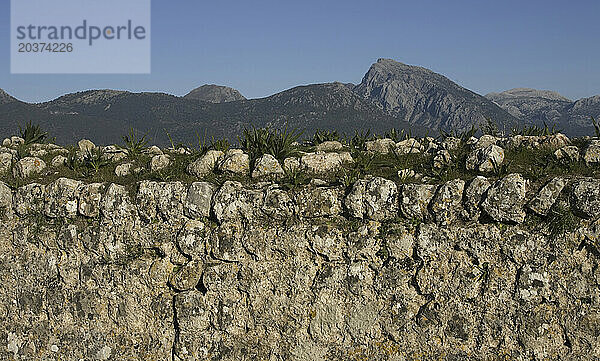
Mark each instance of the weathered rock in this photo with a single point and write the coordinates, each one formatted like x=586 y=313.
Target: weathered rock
x=123 y=170
x=382 y=146
x=473 y=196
x=319 y=201
x=62 y=198
x=329 y=146
x=188 y=276
x=161 y=199
x=159 y=162
x=451 y=143
x=86 y=146
x=113 y=153
x=547 y=196
x=153 y=151
x=116 y=205
x=6 y=199
x=446 y=204
x=5 y=162
x=267 y=166
x=505 y=199
x=585 y=198
x=16 y=141
x=415 y=199
x=321 y=163
x=90 y=197
x=485 y=141
x=198 y=200
x=485 y=159
x=592 y=153
x=59 y=161
x=441 y=159
x=567 y=154
x=376 y=199
x=408 y=146
x=27 y=167
x=205 y=164
x=235 y=161
x=29 y=199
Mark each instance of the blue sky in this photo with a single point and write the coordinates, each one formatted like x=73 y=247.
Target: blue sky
x=262 y=47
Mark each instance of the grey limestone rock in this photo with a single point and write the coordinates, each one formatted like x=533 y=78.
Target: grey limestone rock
x=505 y=199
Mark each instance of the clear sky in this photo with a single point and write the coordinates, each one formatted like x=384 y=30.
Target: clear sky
x=262 y=47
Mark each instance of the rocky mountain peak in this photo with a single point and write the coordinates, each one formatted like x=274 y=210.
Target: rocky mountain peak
x=421 y=96
x=215 y=94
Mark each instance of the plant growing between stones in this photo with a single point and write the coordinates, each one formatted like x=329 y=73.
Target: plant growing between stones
x=535 y=130
x=261 y=141
x=32 y=133
x=322 y=136
x=135 y=144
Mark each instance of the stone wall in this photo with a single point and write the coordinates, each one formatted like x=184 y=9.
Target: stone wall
x=378 y=271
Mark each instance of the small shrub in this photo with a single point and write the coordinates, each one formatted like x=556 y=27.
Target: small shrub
x=134 y=144
x=322 y=136
x=398 y=136
x=279 y=144
x=359 y=139
x=463 y=136
x=534 y=130
x=220 y=144
x=32 y=133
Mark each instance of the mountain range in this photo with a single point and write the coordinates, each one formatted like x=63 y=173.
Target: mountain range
x=390 y=95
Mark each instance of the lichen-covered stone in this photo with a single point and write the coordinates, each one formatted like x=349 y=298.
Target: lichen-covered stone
x=90 y=197
x=408 y=146
x=205 y=164
x=415 y=199
x=441 y=159
x=473 y=196
x=159 y=162
x=6 y=200
x=86 y=146
x=198 y=199
x=62 y=198
x=505 y=199
x=123 y=170
x=451 y=143
x=446 y=204
x=567 y=154
x=5 y=162
x=547 y=196
x=29 y=199
x=28 y=166
x=235 y=161
x=291 y=164
x=321 y=163
x=376 y=199
x=585 y=198
x=267 y=166
x=592 y=153
x=329 y=146
x=485 y=159
x=382 y=146
x=319 y=201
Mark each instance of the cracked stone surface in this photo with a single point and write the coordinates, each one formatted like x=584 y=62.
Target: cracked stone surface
x=170 y=271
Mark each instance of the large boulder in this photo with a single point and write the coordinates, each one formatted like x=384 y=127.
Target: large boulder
x=205 y=164
x=28 y=167
x=415 y=199
x=375 y=198
x=547 y=196
x=505 y=199
x=585 y=198
x=446 y=204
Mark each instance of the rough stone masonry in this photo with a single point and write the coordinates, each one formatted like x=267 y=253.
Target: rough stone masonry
x=379 y=271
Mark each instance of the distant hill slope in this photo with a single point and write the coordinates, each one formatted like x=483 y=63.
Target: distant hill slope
x=105 y=115
x=539 y=106
x=420 y=96
x=215 y=94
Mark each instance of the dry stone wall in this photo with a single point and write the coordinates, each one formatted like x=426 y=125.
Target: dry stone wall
x=462 y=270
